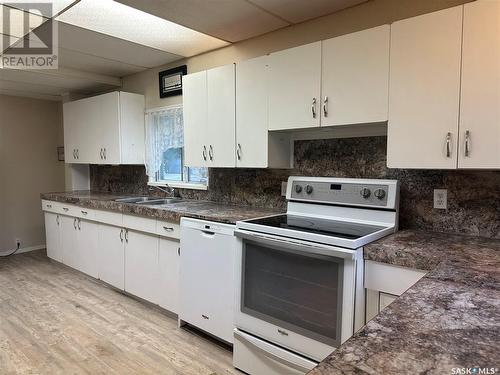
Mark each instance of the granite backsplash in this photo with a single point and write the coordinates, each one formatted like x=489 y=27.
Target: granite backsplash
x=473 y=196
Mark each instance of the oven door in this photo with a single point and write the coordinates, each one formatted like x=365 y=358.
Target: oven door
x=295 y=293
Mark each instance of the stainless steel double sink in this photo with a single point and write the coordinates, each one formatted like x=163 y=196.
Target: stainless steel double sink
x=149 y=200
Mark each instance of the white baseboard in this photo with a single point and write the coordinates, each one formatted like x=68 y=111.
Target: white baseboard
x=24 y=249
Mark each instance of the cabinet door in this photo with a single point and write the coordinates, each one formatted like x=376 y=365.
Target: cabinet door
x=294 y=87
x=480 y=102
x=221 y=116
x=195 y=119
x=132 y=128
x=108 y=131
x=169 y=274
x=355 y=77
x=141 y=266
x=72 y=117
x=111 y=255
x=87 y=248
x=69 y=241
x=252 y=113
x=424 y=90
x=53 y=236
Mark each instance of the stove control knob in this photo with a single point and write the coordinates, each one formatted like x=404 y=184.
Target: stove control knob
x=309 y=189
x=298 y=189
x=379 y=193
x=365 y=193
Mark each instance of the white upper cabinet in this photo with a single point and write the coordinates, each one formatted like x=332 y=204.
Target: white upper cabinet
x=424 y=90
x=255 y=146
x=209 y=117
x=105 y=129
x=355 y=77
x=295 y=87
x=480 y=97
x=194 y=105
x=220 y=135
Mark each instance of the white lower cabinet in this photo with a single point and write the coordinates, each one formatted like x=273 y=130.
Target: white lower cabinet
x=79 y=243
x=53 y=236
x=169 y=274
x=69 y=240
x=141 y=265
x=111 y=255
x=87 y=245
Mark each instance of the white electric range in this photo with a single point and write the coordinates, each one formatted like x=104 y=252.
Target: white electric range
x=299 y=275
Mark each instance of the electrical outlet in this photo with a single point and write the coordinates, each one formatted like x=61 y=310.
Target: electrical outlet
x=441 y=199
x=284 y=185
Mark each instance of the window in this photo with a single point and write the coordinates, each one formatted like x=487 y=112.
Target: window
x=165 y=151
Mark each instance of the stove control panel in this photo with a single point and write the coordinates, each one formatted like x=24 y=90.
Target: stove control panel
x=375 y=193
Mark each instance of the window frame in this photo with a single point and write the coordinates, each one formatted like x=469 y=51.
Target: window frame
x=184 y=184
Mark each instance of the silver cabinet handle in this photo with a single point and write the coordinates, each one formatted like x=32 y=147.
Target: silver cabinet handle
x=121 y=235
x=179 y=251
x=57 y=220
x=104 y=153
x=204 y=153
x=126 y=235
x=74 y=223
x=238 y=151
x=313 y=107
x=74 y=153
x=49 y=206
x=77 y=153
x=168 y=229
x=211 y=152
x=100 y=153
x=325 y=107
x=448 y=145
x=79 y=224
x=84 y=212
x=467 y=144
x=65 y=209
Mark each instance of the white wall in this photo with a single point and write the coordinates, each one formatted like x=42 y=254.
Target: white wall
x=370 y=14
x=30 y=132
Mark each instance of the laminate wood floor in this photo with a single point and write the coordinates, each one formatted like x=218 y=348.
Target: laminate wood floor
x=54 y=320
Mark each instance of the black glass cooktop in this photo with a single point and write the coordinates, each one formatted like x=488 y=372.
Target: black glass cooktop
x=340 y=229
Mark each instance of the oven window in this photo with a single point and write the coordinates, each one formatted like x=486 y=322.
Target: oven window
x=297 y=291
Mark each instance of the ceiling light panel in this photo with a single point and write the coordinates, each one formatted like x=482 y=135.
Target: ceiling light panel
x=57 y=5
x=124 y=22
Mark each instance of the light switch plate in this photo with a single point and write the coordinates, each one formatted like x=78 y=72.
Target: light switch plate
x=441 y=199
x=284 y=184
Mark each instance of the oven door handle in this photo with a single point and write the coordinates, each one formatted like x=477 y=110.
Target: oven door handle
x=302 y=367
x=296 y=245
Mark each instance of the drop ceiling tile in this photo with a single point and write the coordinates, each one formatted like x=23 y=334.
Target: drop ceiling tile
x=96 y=64
x=110 y=48
x=127 y=23
x=231 y=20
x=297 y=11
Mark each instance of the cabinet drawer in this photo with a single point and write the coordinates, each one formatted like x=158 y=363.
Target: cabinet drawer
x=138 y=223
x=109 y=217
x=168 y=229
x=51 y=206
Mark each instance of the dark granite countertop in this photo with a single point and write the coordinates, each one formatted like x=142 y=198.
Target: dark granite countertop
x=449 y=319
x=173 y=212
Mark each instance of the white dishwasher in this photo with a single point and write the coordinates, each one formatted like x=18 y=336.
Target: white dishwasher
x=207 y=277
